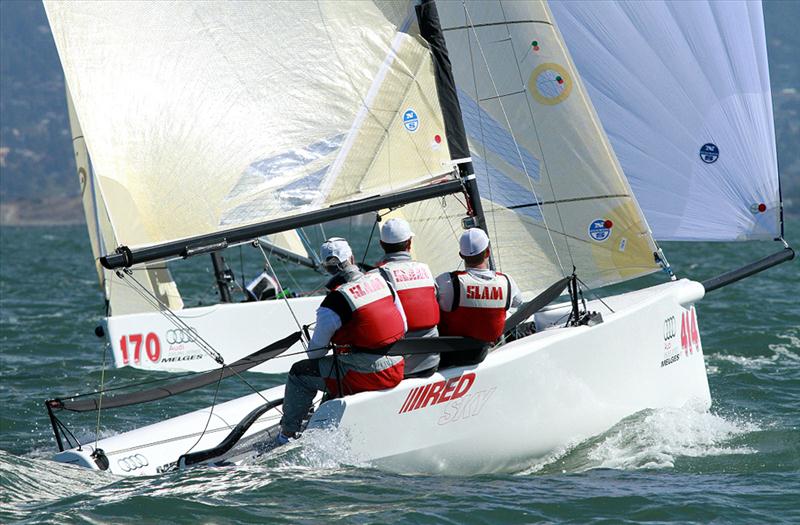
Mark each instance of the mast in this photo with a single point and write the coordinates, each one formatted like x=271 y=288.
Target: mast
x=431 y=30
x=222 y=276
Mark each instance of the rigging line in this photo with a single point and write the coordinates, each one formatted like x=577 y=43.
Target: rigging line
x=485 y=157
x=172 y=317
x=210 y=412
x=371 y=233
x=289 y=273
x=541 y=149
x=594 y=294
x=179 y=323
x=241 y=270
x=285 y=299
x=513 y=138
x=100 y=401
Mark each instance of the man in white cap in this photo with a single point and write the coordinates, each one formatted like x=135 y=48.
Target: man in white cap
x=474 y=301
x=360 y=315
x=414 y=283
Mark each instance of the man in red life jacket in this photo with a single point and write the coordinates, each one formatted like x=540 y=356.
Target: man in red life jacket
x=414 y=283
x=474 y=301
x=362 y=313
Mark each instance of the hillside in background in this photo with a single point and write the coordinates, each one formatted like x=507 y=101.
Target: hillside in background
x=37 y=175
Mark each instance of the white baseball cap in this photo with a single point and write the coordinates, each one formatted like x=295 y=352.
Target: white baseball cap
x=473 y=242
x=395 y=231
x=337 y=248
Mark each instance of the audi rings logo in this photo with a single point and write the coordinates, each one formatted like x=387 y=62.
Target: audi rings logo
x=180 y=336
x=134 y=462
x=670 y=328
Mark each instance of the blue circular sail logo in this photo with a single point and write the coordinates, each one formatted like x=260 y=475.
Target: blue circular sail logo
x=709 y=153
x=410 y=120
x=598 y=230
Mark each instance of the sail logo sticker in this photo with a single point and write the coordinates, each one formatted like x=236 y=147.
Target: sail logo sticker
x=410 y=120
x=600 y=229
x=550 y=84
x=709 y=153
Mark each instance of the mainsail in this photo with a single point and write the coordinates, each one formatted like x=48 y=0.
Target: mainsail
x=553 y=192
x=682 y=89
x=211 y=115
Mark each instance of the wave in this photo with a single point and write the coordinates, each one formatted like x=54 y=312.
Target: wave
x=782 y=353
x=652 y=439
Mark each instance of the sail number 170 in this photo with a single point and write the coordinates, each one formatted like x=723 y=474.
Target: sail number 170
x=135 y=342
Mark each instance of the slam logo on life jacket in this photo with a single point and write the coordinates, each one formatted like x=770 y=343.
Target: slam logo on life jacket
x=494 y=293
x=366 y=287
x=439 y=392
x=402 y=275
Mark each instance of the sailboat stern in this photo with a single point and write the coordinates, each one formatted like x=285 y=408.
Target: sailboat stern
x=534 y=396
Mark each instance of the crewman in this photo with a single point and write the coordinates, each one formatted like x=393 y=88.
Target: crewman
x=474 y=302
x=414 y=283
x=360 y=315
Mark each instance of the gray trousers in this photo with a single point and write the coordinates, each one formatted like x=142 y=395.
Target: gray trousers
x=422 y=364
x=309 y=376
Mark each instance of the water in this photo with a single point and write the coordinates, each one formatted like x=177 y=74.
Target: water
x=738 y=462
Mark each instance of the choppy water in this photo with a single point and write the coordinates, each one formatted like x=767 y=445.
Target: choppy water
x=738 y=462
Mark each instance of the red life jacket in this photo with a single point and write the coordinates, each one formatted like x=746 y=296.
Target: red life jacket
x=415 y=286
x=375 y=321
x=479 y=307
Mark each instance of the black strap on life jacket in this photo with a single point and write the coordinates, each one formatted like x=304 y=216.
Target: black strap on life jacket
x=456 y=291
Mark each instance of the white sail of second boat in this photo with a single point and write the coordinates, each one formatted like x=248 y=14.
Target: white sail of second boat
x=683 y=90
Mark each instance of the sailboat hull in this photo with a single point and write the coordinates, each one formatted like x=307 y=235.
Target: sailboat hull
x=526 y=400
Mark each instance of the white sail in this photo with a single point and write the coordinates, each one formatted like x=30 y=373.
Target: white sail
x=202 y=116
x=155 y=279
x=682 y=89
x=552 y=189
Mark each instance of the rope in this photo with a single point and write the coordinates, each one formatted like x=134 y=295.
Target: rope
x=210 y=412
x=100 y=401
x=594 y=294
x=170 y=315
x=496 y=248
x=513 y=138
x=371 y=233
x=178 y=322
x=280 y=289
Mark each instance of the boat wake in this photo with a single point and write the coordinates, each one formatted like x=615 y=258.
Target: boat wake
x=652 y=439
x=320 y=449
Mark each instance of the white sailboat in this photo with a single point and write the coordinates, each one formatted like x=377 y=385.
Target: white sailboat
x=506 y=138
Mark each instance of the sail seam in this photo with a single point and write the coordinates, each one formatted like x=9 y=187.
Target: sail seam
x=492 y=24
x=576 y=199
x=501 y=96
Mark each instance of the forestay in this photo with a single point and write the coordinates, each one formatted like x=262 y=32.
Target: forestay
x=205 y=116
x=682 y=88
x=552 y=189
